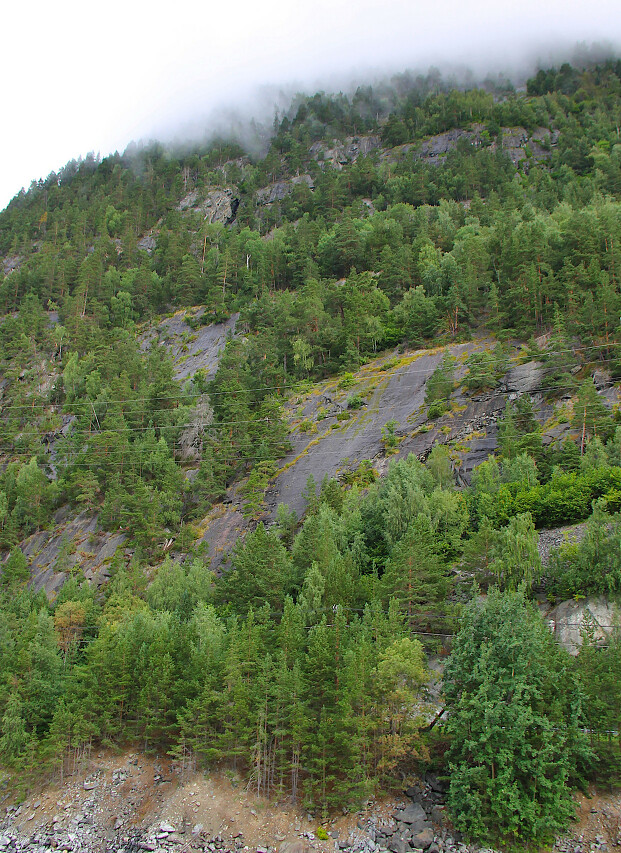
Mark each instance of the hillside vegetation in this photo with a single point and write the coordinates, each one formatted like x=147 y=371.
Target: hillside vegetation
x=184 y=332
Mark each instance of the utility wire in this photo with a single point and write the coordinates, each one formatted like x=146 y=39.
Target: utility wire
x=329 y=436
x=182 y=425
x=292 y=388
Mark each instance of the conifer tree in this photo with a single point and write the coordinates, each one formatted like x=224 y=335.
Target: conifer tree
x=14 y=738
x=513 y=719
x=261 y=573
x=415 y=575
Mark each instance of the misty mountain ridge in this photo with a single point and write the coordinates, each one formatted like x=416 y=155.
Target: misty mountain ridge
x=267 y=416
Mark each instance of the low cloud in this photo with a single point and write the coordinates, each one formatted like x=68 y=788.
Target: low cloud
x=93 y=79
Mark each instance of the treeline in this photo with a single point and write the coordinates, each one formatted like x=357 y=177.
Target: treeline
x=304 y=666
x=523 y=242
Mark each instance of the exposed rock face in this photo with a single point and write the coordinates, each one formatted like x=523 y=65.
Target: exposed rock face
x=223 y=526
x=441 y=144
x=10 y=263
x=71 y=544
x=602 y=379
x=191 y=438
x=77 y=543
x=339 y=439
x=524 y=378
x=515 y=141
x=281 y=189
x=219 y=204
x=189 y=201
x=341 y=153
x=147 y=244
x=192 y=350
x=594 y=614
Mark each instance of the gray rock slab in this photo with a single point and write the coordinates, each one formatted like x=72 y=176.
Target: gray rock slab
x=524 y=377
x=568 y=620
x=191 y=349
x=423 y=839
x=435 y=783
x=399 y=845
x=411 y=814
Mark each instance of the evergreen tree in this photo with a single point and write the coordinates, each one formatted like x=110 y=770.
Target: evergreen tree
x=261 y=573
x=14 y=738
x=559 y=358
x=591 y=417
x=400 y=676
x=15 y=569
x=513 y=720
x=415 y=575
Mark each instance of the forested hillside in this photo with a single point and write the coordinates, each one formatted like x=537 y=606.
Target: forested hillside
x=408 y=216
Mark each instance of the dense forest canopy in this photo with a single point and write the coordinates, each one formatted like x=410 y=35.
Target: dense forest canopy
x=406 y=213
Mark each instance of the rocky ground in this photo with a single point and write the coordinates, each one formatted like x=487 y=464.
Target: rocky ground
x=131 y=802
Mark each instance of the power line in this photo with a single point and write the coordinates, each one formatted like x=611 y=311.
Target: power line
x=257 y=420
x=327 y=436
x=292 y=388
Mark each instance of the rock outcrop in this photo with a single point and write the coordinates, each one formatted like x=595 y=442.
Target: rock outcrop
x=593 y=616
x=216 y=204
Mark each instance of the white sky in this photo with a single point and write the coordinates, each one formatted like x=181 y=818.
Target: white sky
x=79 y=77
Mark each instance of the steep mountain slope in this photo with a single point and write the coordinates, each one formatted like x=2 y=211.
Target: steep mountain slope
x=278 y=434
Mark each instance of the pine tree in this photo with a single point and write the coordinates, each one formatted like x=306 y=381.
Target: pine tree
x=14 y=738
x=415 y=574
x=261 y=573
x=559 y=358
x=400 y=676
x=15 y=570
x=591 y=417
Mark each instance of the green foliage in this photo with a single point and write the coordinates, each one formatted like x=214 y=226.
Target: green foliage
x=513 y=724
x=15 y=569
x=440 y=466
x=261 y=573
x=180 y=588
x=520 y=469
x=441 y=382
x=436 y=410
x=390 y=439
x=591 y=417
x=297 y=666
x=517 y=558
x=564 y=499
x=355 y=401
x=519 y=431
x=599 y=670
x=14 y=740
x=415 y=575
x=594 y=565
x=485 y=368
x=559 y=358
